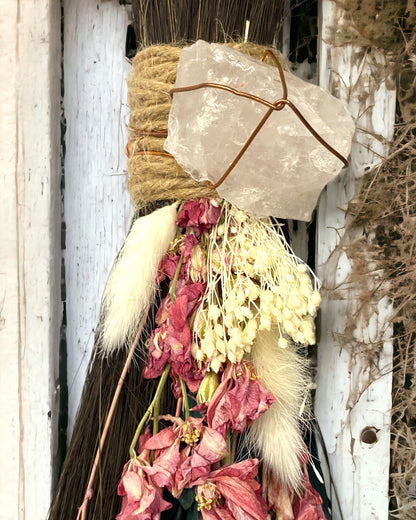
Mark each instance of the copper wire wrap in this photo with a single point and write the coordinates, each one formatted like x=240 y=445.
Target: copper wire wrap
x=153 y=173
x=276 y=106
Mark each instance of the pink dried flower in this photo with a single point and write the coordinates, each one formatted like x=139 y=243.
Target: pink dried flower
x=193 y=261
x=291 y=506
x=239 y=399
x=199 y=214
x=171 y=342
x=211 y=448
x=167 y=266
x=308 y=506
x=142 y=497
x=231 y=493
x=279 y=499
x=174 y=467
x=189 y=241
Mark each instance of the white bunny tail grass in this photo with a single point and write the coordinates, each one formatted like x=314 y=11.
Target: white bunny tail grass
x=276 y=434
x=131 y=285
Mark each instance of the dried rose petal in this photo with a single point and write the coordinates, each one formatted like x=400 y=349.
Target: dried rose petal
x=200 y=215
x=171 y=342
x=210 y=449
x=308 y=506
x=291 y=506
x=174 y=467
x=239 y=399
x=142 y=497
x=231 y=492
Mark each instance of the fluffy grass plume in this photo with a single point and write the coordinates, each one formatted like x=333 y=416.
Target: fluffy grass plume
x=276 y=433
x=131 y=284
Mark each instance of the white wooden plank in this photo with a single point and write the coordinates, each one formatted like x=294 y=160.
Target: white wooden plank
x=347 y=401
x=30 y=310
x=97 y=204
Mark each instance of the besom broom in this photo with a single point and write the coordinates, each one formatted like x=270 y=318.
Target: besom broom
x=183 y=21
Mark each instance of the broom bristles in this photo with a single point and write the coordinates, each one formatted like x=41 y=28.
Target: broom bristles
x=154 y=22
x=276 y=434
x=161 y=21
x=100 y=385
x=97 y=395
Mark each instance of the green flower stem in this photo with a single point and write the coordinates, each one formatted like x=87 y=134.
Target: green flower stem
x=185 y=403
x=175 y=280
x=234 y=446
x=227 y=460
x=148 y=414
x=180 y=207
x=156 y=412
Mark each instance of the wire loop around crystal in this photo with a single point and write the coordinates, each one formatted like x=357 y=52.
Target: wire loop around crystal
x=276 y=106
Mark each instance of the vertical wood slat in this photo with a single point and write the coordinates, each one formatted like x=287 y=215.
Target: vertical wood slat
x=347 y=400
x=30 y=210
x=97 y=203
x=94 y=45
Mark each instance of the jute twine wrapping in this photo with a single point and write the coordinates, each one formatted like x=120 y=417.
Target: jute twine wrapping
x=159 y=177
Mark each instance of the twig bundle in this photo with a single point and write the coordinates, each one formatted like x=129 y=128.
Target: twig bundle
x=99 y=388
x=386 y=209
x=209 y=20
x=100 y=385
x=383 y=254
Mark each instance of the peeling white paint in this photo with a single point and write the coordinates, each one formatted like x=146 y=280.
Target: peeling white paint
x=97 y=203
x=97 y=214
x=346 y=401
x=30 y=254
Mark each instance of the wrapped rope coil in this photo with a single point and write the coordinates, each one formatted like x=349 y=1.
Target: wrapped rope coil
x=153 y=174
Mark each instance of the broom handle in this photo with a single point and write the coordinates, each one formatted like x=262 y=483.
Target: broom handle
x=82 y=511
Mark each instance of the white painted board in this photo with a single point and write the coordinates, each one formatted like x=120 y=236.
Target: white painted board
x=30 y=211
x=347 y=401
x=97 y=203
x=97 y=214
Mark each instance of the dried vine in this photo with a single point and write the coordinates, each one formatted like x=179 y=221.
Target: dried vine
x=381 y=234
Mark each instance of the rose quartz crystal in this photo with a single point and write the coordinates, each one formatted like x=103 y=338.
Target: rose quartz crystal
x=285 y=168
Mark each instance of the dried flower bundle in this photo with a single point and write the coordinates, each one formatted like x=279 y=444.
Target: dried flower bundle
x=254 y=282
x=238 y=301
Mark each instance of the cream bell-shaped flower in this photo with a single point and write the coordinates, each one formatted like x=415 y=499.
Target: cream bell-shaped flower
x=254 y=282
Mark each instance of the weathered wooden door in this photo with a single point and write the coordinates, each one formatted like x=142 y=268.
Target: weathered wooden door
x=97 y=213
